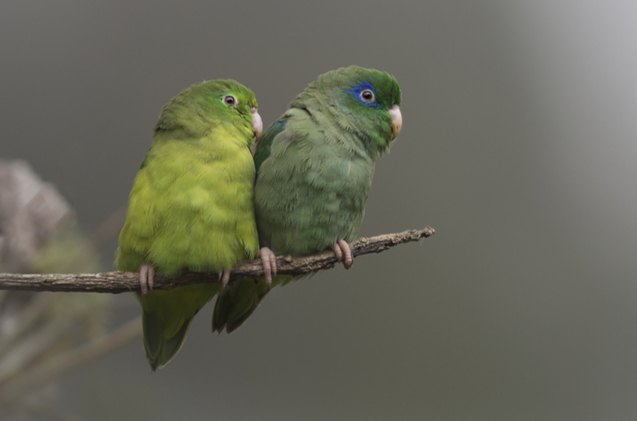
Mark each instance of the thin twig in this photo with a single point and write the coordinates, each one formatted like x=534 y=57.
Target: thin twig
x=43 y=373
x=118 y=282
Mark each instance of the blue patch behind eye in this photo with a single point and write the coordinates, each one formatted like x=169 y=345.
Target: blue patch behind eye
x=356 y=91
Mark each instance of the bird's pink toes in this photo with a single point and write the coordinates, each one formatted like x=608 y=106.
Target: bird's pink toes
x=343 y=253
x=224 y=278
x=146 y=278
x=268 y=260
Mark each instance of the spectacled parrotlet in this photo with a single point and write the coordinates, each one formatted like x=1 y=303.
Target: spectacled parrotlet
x=191 y=207
x=315 y=166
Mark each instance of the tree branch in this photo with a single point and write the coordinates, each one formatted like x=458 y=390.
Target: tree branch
x=118 y=282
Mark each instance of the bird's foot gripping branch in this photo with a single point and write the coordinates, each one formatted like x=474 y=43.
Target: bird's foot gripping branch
x=117 y=282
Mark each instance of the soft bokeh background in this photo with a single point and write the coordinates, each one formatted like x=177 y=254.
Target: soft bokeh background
x=519 y=146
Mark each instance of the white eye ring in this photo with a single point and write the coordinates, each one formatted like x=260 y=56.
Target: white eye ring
x=230 y=101
x=367 y=95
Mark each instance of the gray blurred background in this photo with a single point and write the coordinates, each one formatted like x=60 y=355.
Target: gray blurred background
x=519 y=146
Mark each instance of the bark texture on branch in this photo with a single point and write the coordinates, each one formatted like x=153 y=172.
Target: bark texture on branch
x=118 y=282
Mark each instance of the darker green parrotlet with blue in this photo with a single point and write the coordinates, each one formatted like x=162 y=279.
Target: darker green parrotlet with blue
x=191 y=207
x=315 y=166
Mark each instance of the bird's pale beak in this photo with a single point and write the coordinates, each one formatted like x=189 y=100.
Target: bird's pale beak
x=396 y=120
x=257 y=123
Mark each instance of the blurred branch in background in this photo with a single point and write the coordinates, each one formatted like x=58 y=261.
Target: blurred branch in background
x=44 y=335
x=117 y=282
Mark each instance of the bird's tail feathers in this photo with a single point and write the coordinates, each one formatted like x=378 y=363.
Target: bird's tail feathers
x=236 y=303
x=160 y=350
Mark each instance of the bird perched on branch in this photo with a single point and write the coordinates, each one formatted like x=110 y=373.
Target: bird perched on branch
x=315 y=166
x=191 y=206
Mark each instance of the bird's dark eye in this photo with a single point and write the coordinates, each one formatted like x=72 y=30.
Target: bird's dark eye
x=230 y=101
x=367 y=95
